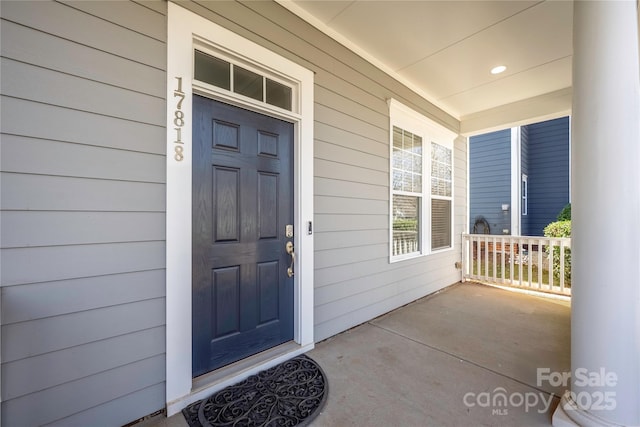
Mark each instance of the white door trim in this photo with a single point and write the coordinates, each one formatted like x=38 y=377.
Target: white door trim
x=184 y=29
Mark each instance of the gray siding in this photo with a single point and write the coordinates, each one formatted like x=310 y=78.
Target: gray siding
x=548 y=172
x=83 y=200
x=354 y=281
x=490 y=179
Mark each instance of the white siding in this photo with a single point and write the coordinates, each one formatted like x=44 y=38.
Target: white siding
x=83 y=200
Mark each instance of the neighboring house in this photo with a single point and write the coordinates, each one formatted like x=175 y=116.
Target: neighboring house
x=99 y=318
x=519 y=178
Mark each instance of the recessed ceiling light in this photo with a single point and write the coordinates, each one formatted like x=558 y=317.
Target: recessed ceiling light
x=499 y=69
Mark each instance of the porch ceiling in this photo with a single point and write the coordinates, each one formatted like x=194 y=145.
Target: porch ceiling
x=445 y=50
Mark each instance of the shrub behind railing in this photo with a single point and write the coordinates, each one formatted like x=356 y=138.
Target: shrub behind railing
x=560 y=229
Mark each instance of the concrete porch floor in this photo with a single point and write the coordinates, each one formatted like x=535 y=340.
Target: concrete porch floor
x=441 y=361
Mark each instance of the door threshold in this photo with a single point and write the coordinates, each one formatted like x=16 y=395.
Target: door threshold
x=207 y=384
x=243 y=364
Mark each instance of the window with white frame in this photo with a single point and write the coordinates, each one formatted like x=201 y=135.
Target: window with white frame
x=421 y=184
x=441 y=196
x=407 y=192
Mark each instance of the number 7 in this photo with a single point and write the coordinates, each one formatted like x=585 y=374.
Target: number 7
x=179 y=95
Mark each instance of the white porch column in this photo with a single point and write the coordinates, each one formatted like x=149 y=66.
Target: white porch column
x=605 y=313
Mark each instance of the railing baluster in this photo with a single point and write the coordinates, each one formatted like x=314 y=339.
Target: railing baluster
x=540 y=263
x=551 y=262
x=469 y=267
x=463 y=251
x=471 y=251
x=503 y=254
x=561 y=265
x=473 y=257
x=478 y=258
x=511 y=255
x=529 y=264
x=494 y=254
x=471 y=260
x=520 y=263
x=486 y=258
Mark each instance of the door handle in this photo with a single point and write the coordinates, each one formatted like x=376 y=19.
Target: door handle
x=289 y=248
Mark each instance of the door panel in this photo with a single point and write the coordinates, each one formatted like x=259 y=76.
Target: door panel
x=226 y=209
x=242 y=201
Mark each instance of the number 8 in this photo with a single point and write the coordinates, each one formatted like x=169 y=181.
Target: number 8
x=179 y=120
x=179 y=153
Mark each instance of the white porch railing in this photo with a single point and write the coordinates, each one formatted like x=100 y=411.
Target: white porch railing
x=537 y=263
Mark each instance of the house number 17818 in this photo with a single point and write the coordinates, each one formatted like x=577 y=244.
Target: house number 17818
x=178 y=121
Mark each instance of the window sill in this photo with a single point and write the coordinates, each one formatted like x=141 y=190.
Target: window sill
x=405 y=257
x=437 y=251
x=414 y=255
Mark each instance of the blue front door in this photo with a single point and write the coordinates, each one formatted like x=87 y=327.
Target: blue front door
x=242 y=203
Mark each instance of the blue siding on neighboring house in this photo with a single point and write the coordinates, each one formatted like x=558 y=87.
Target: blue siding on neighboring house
x=548 y=172
x=544 y=158
x=524 y=170
x=490 y=179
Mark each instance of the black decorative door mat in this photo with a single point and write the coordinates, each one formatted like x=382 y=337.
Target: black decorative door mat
x=289 y=394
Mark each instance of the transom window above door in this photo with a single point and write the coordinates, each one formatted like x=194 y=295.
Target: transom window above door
x=241 y=80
